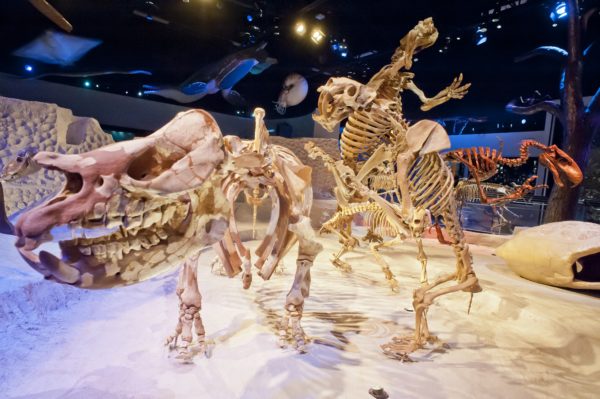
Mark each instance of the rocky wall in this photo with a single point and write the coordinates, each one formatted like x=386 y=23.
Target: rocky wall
x=322 y=180
x=41 y=127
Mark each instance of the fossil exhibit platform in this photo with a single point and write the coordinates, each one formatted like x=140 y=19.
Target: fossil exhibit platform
x=521 y=339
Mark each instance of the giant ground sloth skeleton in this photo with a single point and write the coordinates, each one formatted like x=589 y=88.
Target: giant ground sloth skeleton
x=424 y=180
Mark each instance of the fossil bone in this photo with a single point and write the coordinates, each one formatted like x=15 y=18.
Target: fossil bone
x=154 y=201
x=424 y=181
x=483 y=163
x=563 y=254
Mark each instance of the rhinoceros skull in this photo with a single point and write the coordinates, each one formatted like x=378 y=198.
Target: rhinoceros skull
x=153 y=200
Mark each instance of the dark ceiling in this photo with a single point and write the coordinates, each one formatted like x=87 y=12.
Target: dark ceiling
x=203 y=31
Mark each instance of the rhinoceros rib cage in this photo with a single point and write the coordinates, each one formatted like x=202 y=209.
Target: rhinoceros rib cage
x=431 y=184
x=364 y=131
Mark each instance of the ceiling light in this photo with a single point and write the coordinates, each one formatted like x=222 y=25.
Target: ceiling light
x=28 y=68
x=319 y=17
x=300 y=28
x=139 y=93
x=87 y=83
x=317 y=35
x=499 y=26
x=523 y=121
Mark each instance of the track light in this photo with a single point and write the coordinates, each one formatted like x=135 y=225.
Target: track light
x=300 y=28
x=317 y=35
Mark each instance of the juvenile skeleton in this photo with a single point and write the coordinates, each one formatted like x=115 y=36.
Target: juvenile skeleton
x=154 y=201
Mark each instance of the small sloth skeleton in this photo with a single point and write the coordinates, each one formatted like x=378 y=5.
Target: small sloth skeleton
x=154 y=202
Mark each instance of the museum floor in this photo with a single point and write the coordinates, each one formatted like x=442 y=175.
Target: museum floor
x=521 y=340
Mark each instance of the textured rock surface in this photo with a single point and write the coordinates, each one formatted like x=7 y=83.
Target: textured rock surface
x=322 y=179
x=43 y=127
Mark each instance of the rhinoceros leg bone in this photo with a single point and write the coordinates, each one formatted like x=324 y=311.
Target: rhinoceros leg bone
x=190 y=303
x=294 y=301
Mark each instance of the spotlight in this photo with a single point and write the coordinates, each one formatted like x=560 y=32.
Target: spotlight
x=87 y=83
x=559 y=11
x=97 y=86
x=300 y=28
x=499 y=26
x=523 y=121
x=28 y=68
x=317 y=35
x=139 y=93
x=554 y=25
x=249 y=18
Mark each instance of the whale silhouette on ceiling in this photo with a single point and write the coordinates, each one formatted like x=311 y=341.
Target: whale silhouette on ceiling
x=219 y=76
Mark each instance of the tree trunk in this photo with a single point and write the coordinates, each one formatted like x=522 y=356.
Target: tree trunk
x=562 y=204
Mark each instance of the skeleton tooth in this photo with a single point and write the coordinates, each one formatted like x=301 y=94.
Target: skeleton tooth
x=113 y=206
x=162 y=234
x=111 y=249
x=134 y=207
x=145 y=242
x=167 y=214
x=85 y=250
x=125 y=247
x=114 y=221
x=132 y=222
x=135 y=244
x=99 y=250
x=151 y=218
x=99 y=211
x=154 y=239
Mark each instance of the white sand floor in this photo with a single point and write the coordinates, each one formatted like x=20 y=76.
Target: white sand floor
x=521 y=340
